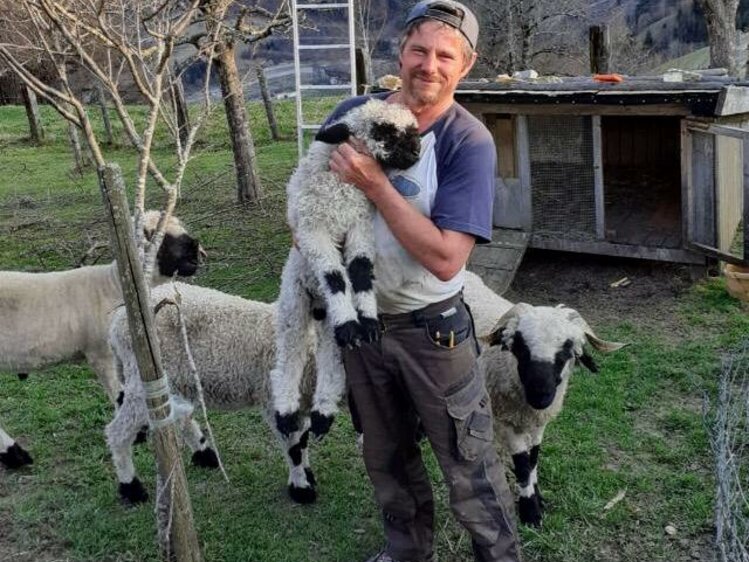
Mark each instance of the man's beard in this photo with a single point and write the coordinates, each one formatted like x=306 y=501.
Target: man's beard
x=422 y=96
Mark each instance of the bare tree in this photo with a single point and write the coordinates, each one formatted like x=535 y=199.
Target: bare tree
x=720 y=16
x=112 y=39
x=523 y=34
x=628 y=54
x=232 y=23
x=371 y=18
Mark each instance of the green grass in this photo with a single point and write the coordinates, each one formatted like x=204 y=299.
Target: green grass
x=636 y=426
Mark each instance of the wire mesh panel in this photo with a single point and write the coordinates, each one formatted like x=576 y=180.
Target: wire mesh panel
x=562 y=184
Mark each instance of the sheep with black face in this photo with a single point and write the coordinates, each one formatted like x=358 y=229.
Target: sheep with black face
x=531 y=353
x=48 y=318
x=329 y=274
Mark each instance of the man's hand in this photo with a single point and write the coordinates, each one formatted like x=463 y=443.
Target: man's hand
x=359 y=169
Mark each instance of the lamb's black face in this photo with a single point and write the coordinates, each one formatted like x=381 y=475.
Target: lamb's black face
x=178 y=254
x=540 y=378
x=402 y=146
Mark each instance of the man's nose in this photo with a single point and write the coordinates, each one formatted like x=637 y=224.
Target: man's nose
x=429 y=62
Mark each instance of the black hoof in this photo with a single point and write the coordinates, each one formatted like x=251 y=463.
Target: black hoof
x=205 y=459
x=369 y=328
x=320 y=424
x=287 y=423
x=347 y=335
x=133 y=493
x=310 y=476
x=142 y=435
x=23 y=376
x=529 y=511
x=15 y=457
x=302 y=495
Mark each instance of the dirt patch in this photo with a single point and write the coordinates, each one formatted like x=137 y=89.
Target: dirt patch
x=584 y=282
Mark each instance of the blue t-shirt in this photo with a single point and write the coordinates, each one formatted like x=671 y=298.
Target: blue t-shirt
x=453 y=184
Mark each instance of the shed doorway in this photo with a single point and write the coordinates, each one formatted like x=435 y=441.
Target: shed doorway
x=642 y=180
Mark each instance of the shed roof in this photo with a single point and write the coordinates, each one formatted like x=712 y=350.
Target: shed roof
x=711 y=96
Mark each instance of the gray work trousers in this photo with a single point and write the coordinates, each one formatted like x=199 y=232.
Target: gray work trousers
x=424 y=369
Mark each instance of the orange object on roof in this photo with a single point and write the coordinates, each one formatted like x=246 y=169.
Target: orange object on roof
x=615 y=78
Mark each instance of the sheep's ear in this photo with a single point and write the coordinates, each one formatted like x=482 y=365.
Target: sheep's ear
x=587 y=361
x=335 y=134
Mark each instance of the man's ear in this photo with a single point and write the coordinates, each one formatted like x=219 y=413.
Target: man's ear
x=335 y=134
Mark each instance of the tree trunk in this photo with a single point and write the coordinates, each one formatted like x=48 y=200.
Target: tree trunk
x=720 y=16
x=32 y=112
x=101 y=98
x=183 y=541
x=248 y=182
x=180 y=107
x=267 y=102
x=79 y=156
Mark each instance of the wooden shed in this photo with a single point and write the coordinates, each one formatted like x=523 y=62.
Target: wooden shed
x=642 y=168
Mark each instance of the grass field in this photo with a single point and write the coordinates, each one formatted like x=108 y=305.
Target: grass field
x=636 y=427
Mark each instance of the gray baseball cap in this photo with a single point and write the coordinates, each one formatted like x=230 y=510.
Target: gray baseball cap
x=450 y=12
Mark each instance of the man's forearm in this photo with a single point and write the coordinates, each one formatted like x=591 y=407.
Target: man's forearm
x=442 y=252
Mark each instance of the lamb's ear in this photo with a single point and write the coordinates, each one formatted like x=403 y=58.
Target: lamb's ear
x=587 y=361
x=335 y=134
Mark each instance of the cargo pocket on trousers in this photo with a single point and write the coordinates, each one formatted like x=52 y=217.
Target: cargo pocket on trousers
x=470 y=409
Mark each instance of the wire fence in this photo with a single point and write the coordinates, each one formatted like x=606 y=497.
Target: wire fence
x=728 y=424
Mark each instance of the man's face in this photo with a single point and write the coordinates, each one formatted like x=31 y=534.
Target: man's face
x=432 y=63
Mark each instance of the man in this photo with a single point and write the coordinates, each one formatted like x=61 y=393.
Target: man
x=424 y=367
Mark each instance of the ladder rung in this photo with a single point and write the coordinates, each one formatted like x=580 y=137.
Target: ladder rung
x=316 y=47
x=325 y=86
x=321 y=6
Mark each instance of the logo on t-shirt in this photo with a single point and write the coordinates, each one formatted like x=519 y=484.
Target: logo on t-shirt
x=405 y=186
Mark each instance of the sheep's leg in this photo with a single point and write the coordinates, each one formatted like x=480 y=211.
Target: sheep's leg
x=12 y=455
x=301 y=482
x=537 y=437
x=330 y=382
x=203 y=454
x=103 y=364
x=121 y=433
x=359 y=254
x=292 y=329
x=529 y=509
x=326 y=262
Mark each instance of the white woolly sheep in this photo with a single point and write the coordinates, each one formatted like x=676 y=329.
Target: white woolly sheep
x=529 y=358
x=233 y=343
x=47 y=318
x=528 y=353
x=330 y=272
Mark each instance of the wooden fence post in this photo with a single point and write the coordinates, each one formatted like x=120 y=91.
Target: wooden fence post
x=267 y=102
x=182 y=541
x=600 y=49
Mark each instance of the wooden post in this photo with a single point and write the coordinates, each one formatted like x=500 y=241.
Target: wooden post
x=101 y=98
x=600 y=49
x=361 y=72
x=267 y=102
x=32 y=112
x=183 y=540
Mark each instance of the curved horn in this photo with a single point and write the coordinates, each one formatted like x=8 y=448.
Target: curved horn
x=492 y=338
x=601 y=345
